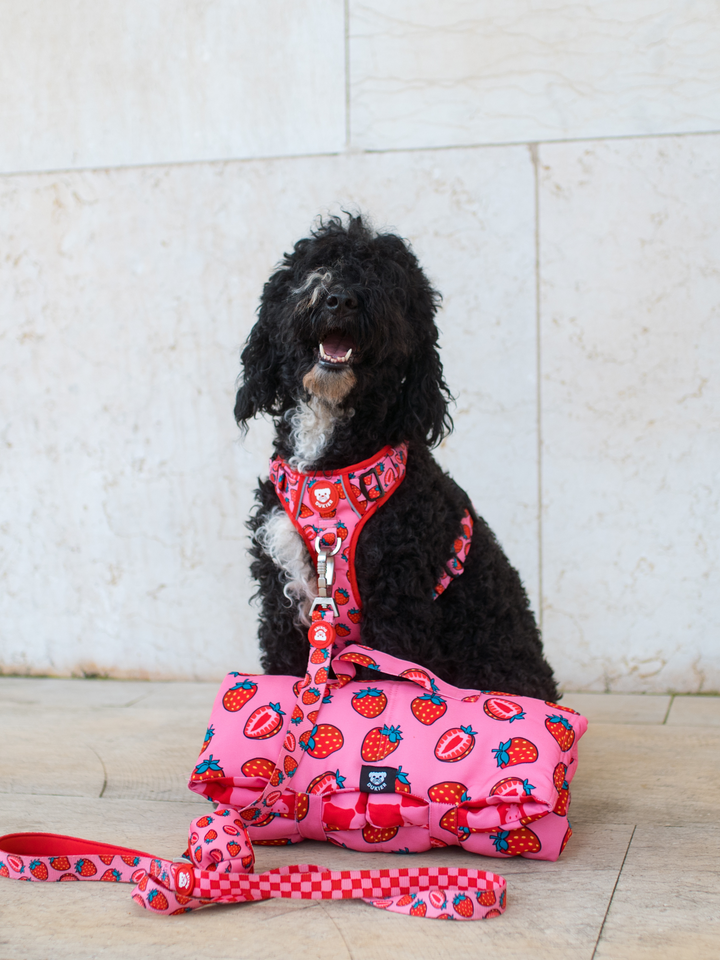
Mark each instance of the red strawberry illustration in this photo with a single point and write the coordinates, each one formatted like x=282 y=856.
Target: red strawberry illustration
x=321 y=676
x=378 y=834
x=558 y=706
x=321 y=741
x=313 y=715
x=302 y=805
x=126 y=858
x=380 y=742
x=512 y=788
x=113 y=876
x=319 y=655
x=297 y=715
x=208 y=769
x=493 y=913
x=157 y=900
x=449 y=791
x=289 y=766
x=517 y=750
x=209 y=734
x=305 y=512
x=106 y=858
x=38 y=870
x=342 y=629
x=310 y=696
x=204 y=822
x=62 y=863
x=428 y=708
x=289 y=742
x=402 y=784
x=210 y=836
x=258 y=767
x=355 y=615
x=405 y=900
x=515 y=842
x=419 y=676
x=264 y=722
x=369 y=702
x=563 y=789
x=237 y=696
x=486 y=898
x=4 y=871
x=562 y=731
x=301 y=684
x=455 y=744
x=67 y=876
x=500 y=709
x=341 y=596
x=16 y=863
x=327 y=782
x=463 y=906
x=85 y=867
x=233 y=848
x=361 y=658
x=568 y=834
x=471 y=699
x=419 y=908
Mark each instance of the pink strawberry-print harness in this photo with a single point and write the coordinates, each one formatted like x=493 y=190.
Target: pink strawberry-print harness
x=329 y=510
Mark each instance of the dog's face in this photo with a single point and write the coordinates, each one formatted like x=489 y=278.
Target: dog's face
x=348 y=319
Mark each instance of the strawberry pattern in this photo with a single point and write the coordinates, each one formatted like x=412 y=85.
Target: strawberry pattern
x=458 y=793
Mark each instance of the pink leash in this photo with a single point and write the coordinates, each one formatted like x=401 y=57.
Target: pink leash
x=176 y=886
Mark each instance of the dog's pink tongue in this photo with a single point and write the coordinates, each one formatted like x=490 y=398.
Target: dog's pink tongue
x=337 y=344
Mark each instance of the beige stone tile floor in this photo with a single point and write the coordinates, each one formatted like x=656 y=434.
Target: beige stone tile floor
x=109 y=760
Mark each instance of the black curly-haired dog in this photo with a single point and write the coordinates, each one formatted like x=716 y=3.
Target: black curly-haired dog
x=344 y=357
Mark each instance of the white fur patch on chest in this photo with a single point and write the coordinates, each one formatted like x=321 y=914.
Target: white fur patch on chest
x=285 y=547
x=311 y=427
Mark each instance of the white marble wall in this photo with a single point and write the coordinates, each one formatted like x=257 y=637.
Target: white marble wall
x=155 y=160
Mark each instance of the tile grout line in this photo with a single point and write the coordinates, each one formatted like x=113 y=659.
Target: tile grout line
x=265 y=158
x=612 y=895
x=346 y=18
x=667 y=713
x=535 y=157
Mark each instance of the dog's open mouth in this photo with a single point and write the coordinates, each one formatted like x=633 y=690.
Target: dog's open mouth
x=336 y=349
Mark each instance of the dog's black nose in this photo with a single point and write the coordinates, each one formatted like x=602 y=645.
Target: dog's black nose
x=341 y=302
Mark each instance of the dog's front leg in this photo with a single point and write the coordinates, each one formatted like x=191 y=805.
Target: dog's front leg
x=279 y=566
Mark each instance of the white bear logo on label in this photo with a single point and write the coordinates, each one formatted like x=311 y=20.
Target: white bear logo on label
x=324 y=498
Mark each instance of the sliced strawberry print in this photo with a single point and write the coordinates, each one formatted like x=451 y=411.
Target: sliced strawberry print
x=327 y=782
x=455 y=744
x=500 y=709
x=558 y=706
x=264 y=722
x=512 y=788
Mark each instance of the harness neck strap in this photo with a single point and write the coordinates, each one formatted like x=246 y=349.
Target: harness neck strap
x=331 y=506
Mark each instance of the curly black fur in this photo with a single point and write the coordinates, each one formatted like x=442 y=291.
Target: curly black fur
x=348 y=282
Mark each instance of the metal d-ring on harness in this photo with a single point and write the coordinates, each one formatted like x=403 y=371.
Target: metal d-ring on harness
x=325 y=573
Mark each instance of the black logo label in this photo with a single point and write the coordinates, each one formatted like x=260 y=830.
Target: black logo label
x=378 y=779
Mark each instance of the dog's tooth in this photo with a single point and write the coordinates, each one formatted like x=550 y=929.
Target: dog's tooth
x=323 y=355
x=347 y=355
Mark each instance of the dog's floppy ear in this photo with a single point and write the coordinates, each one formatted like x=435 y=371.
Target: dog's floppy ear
x=260 y=386
x=425 y=400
